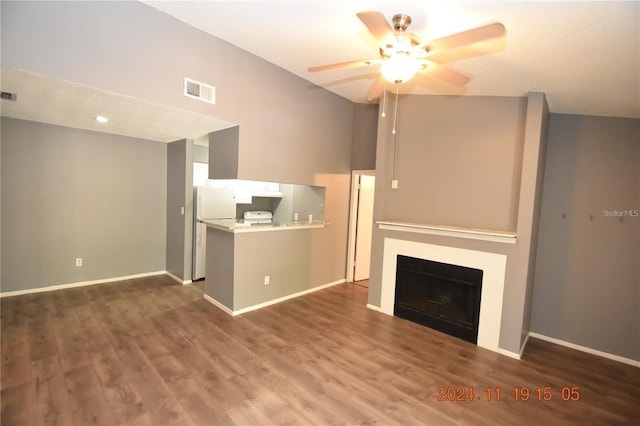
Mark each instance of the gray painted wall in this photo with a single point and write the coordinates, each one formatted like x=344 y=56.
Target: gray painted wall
x=188 y=213
x=290 y=131
x=528 y=219
x=180 y=195
x=530 y=200
x=365 y=133
x=285 y=256
x=220 y=266
x=69 y=193
x=491 y=147
x=587 y=287
x=176 y=160
x=237 y=265
x=284 y=119
x=459 y=161
x=223 y=153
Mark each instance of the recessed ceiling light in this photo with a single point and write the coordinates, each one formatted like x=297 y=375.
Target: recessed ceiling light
x=101 y=119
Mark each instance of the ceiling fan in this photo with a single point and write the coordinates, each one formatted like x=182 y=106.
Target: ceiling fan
x=403 y=54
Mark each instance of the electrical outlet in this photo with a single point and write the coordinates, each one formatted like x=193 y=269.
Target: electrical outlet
x=394 y=184
x=78 y=261
x=266 y=280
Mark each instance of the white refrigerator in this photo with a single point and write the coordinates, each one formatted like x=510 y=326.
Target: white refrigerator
x=209 y=203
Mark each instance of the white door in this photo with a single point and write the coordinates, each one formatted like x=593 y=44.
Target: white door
x=364 y=226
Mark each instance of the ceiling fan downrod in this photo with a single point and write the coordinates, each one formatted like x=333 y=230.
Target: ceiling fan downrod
x=401 y=22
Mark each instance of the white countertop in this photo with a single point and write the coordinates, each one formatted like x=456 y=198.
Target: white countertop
x=230 y=225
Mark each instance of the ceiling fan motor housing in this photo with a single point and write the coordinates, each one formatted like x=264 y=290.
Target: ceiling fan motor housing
x=402 y=43
x=401 y=22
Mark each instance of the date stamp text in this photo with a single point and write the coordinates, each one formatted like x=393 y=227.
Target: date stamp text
x=518 y=393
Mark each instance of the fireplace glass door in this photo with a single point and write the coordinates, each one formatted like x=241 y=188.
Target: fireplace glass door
x=439 y=295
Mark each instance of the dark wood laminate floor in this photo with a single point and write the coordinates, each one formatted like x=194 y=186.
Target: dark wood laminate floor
x=151 y=352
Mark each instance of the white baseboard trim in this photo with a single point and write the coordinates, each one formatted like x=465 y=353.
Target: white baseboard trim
x=588 y=350
x=271 y=302
x=509 y=353
x=80 y=284
x=515 y=355
x=524 y=344
x=218 y=304
x=376 y=308
x=178 y=279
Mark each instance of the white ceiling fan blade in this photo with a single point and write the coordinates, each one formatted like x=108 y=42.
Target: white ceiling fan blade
x=377 y=25
x=343 y=65
x=377 y=89
x=463 y=41
x=446 y=75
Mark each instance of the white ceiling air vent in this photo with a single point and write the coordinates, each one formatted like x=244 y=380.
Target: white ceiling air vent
x=197 y=90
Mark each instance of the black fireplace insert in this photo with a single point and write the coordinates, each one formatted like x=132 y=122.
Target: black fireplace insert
x=439 y=295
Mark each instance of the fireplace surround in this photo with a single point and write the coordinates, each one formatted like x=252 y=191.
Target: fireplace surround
x=493 y=266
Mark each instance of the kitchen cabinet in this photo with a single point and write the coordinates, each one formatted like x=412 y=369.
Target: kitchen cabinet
x=285 y=201
x=245 y=190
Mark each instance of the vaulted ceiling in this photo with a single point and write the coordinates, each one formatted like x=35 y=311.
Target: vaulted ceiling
x=585 y=55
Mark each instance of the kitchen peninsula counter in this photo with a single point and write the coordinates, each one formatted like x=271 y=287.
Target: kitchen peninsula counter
x=249 y=266
x=232 y=226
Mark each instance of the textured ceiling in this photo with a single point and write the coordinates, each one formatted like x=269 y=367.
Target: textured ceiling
x=74 y=105
x=584 y=55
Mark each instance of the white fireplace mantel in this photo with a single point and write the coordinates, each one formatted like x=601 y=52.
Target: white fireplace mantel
x=450 y=231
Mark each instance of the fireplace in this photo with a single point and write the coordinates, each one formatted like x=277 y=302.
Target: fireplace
x=492 y=265
x=438 y=295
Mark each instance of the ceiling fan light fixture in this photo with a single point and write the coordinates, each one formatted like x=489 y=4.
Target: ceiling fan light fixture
x=403 y=54
x=399 y=68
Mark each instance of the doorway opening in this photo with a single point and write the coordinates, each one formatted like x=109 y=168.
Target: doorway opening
x=360 y=226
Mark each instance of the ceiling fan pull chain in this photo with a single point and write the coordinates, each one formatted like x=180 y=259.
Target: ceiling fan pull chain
x=395 y=111
x=384 y=100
